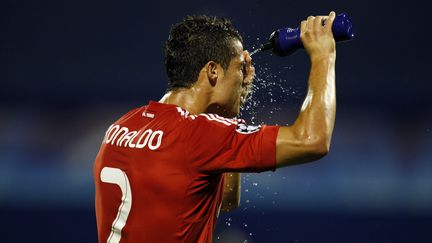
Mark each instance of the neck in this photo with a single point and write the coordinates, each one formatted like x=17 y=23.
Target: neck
x=195 y=99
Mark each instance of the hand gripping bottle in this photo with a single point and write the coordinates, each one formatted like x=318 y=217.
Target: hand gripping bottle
x=284 y=42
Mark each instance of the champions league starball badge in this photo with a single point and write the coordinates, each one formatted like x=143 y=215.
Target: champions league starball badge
x=245 y=129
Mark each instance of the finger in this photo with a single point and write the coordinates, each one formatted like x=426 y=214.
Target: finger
x=310 y=18
x=318 y=22
x=303 y=27
x=330 y=19
x=309 y=24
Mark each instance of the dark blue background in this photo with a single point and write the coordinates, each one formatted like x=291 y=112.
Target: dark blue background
x=69 y=68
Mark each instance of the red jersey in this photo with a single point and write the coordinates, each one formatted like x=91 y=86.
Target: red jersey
x=159 y=172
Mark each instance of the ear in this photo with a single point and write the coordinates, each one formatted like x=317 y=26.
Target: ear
x=212 y=72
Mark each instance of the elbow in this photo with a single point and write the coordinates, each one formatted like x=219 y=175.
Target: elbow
x=320 y=148
x=316 y=140
x=321 y=152
x=300 y=146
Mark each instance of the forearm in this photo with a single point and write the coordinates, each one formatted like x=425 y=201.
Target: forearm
x=308 y=139
x=232 y=189
x=316 y=119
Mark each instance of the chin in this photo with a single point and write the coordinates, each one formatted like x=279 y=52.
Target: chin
x=233 y=115
x=225 y=111
x=235 y=112
x=230 y=113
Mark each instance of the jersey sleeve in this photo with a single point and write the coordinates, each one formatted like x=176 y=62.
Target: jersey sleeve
x=216 y=144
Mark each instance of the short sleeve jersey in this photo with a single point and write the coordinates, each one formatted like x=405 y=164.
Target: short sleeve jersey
x=159 y=173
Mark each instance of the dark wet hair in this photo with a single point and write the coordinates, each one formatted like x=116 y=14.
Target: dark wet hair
x=195 y=41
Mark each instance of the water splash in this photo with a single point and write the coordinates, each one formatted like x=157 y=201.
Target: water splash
x=270 y=93
x=255 y=51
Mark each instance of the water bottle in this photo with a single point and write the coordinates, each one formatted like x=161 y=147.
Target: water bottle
x=286 y=41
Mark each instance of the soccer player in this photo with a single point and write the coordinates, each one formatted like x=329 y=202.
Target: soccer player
x=166 y=169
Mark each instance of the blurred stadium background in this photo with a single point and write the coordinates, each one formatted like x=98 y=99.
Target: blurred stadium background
x=69 y=68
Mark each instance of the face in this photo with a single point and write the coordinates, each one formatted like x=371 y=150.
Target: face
x=231 y=84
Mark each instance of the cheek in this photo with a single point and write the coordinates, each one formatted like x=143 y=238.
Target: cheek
x=236 y=89
x=233 y=88
x=238 y=80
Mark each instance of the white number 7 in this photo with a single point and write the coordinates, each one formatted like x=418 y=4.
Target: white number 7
x=118 y=177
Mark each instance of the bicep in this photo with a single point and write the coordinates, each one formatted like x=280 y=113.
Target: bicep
x=294 y=146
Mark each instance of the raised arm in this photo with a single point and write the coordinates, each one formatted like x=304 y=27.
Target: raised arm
x=308 y=139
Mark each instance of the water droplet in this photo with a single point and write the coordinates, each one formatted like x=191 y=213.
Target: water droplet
x=255 y=184
x=255 y=51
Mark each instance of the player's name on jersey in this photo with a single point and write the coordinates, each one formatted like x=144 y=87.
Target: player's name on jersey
x=123 y=137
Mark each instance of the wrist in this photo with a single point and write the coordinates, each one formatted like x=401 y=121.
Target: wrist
x=323 y=57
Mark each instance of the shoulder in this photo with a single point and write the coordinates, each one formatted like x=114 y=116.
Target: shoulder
x=129 y=114
x=208 y=120
x=214 y=119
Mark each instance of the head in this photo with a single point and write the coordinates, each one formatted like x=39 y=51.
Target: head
x=209 y=48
